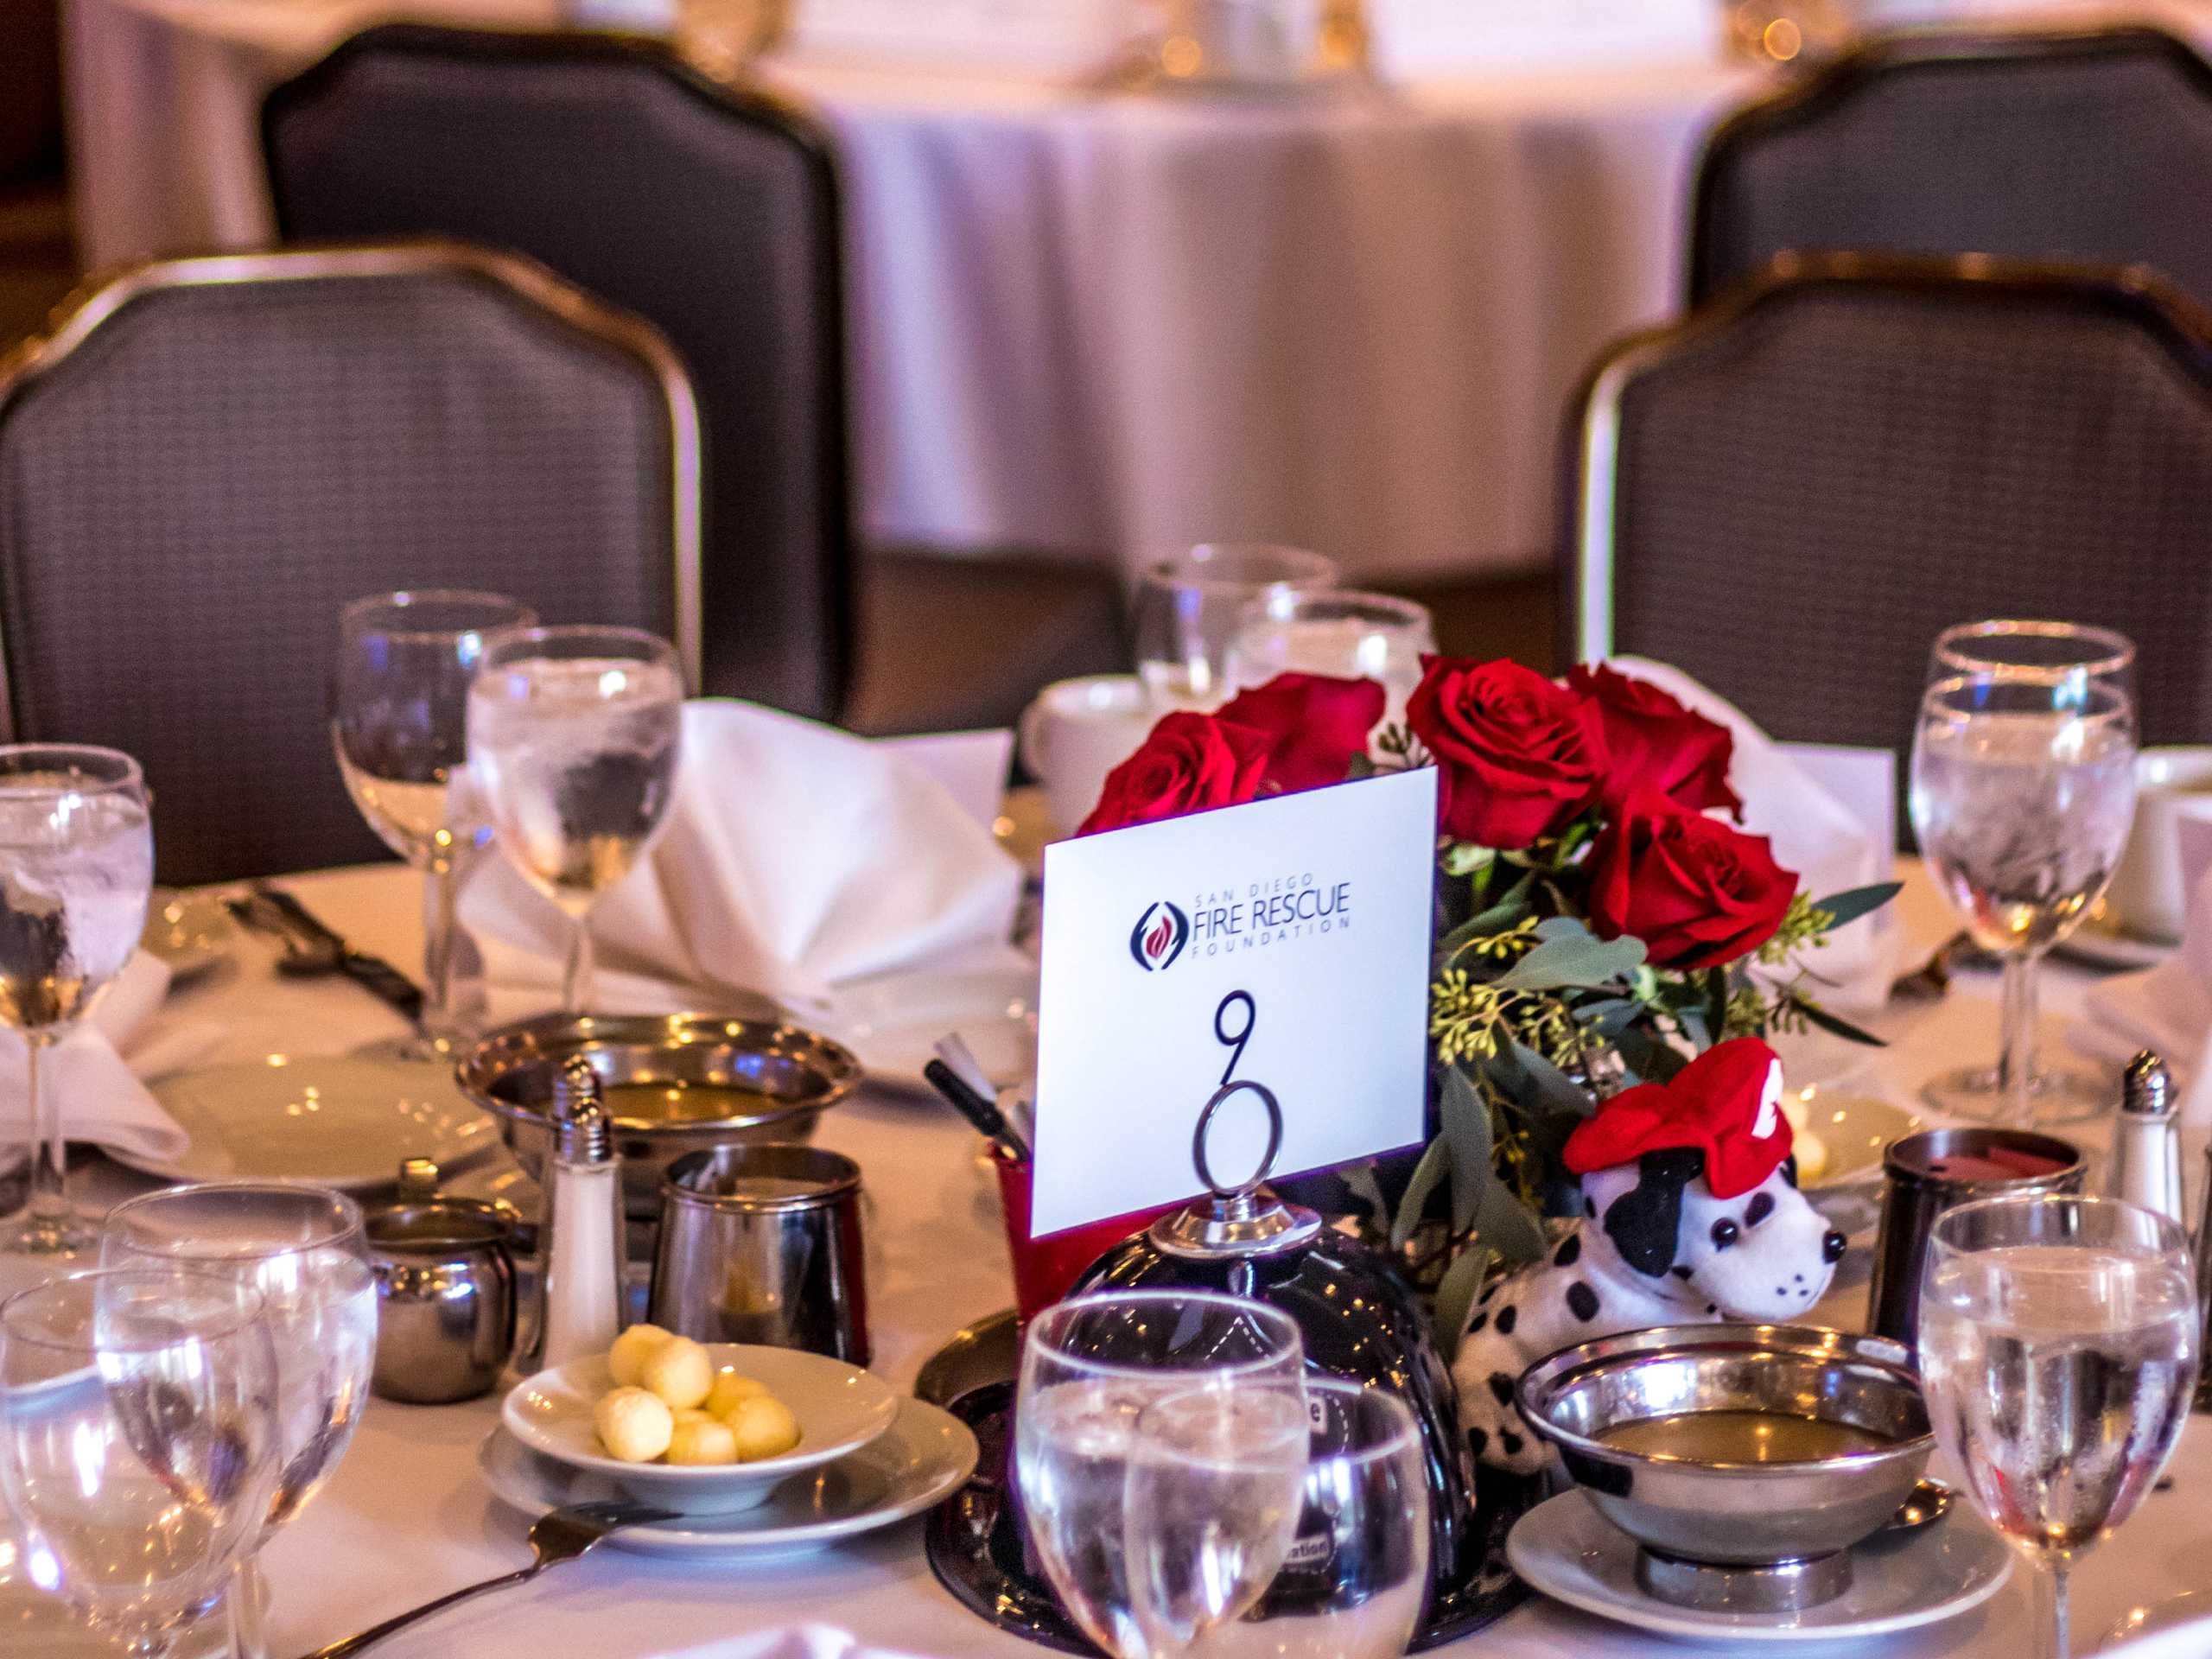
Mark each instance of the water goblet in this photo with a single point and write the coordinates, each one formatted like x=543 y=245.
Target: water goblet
x=1091 y=1367
x=1186 y=610
x=76 y=866
x=1354 y=1577
x=138 y=1442
x=2023 y=792
x=573 y=735
x=304 y=1250
x=399 y=720
x=2058 y=1348
x=1350 y=636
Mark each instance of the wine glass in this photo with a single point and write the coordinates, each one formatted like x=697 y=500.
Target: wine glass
x=76 y=866
x=1090 y=1368
x=1186 y=610
x=1355 y=1574
x=2058 y=1346
x=304 y=1250
x=2023 y=792
x=572 y=742
x=399 y=720
x=1350 y=636
x=138 y=1442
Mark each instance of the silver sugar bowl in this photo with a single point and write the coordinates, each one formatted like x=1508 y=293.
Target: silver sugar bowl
x=445 y=1278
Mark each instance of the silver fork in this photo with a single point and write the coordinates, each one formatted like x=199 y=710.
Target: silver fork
x=560 y=1536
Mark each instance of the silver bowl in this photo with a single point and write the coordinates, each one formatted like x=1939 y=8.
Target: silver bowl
x=1788 y=1523
x=510 y=1074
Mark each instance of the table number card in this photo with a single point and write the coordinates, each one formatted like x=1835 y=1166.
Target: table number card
x=1286 y=943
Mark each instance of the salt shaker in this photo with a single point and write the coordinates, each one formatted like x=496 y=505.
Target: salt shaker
x=580 y=1246
x=2146 y=1141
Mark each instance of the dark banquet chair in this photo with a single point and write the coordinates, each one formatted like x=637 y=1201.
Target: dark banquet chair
x=710 y=211
x=207 y=457
x=2093 y=146
x=1790 y=493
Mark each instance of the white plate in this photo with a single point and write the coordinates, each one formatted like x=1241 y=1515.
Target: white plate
x=895 y=1023
x=840 y=1408
x=925 y=1456
x=1854 y=1129
x=1566 y=1550
x=190 y=932
x=2108 y=947
x=345 y=1122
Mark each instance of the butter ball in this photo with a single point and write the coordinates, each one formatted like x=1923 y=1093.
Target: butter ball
x=764 y=1427
x=679 y=1372
x=692 y=1414
x=625 y=1360
x=702 y=1440
x=633 y=1425
x=730 y=1389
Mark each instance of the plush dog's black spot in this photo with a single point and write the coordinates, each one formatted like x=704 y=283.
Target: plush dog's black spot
x=1761 y=1206
x=1642 y=1221
x=1502 y=1386
x=1476 y=1324
x=1713 y=1307
x=1506 y=1316
x=1589 y=1207
x=1725 y=1233
x=1582 y=1302
x=1569 y=1252
x=1489 y=1290
x=1511 y=1441
x=1789 y=1169
x=1477 y=1440
x=1683 y=1274
x=1832 y=1245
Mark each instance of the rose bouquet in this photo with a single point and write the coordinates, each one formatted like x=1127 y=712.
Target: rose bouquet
x=1601 y=920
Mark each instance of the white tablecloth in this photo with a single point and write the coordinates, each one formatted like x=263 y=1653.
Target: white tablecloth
x=407 y=1517
x=1104 y=322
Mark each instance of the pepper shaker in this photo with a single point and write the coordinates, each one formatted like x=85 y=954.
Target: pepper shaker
x=2146 y=1140
x=581 y=1247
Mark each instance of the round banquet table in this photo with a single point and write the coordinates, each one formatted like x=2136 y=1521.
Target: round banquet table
x=407 y=1517
x=1082 y=321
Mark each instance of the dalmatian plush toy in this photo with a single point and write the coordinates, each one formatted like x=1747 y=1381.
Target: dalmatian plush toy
x=1692 y=1213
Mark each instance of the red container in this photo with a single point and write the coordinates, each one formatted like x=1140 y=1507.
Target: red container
x=1045 y=1267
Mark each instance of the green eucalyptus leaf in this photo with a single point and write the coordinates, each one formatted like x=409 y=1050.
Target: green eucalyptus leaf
x=1455 y=1295
x=1829 y=1022
x=1434 y=1164
x=1502 y=1222
x=1563 y=927
x=1850 y=906
x=1464 y=1119
x=1648 y=1057
x=1464 y=858
x=1552 y=1089
x=1608 y=1017
x=1572 y=960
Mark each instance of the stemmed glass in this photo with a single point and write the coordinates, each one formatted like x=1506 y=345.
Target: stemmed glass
x=1350 y=636
x=573 y=735
x=76 y=866
x=1345 y=1569
x=2058 y=1345
x=304 y=1250
x=2022 y=790
x=1187 y=609
x=1090 y=1369
x=399 y=720
x=138 y=1442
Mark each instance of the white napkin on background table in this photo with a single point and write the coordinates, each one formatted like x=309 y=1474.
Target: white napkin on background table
x=787 y=1642
x=2167 y=1009
x=797 y=858
x=100 y=1071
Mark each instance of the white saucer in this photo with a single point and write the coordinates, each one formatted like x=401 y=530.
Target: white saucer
x=343 y=1122
x=925 y=1456
x=1566 y=1550
x=893 y=1023
x=1854 y=1129
x=190 y=931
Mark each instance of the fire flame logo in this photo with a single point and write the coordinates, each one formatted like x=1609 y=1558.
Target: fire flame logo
x=1159 y=936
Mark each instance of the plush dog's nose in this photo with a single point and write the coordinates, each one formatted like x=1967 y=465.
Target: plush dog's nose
x=1832 y=1247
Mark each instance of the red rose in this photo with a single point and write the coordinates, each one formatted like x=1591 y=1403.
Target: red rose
x=1696 y=892
x=1652 y=739
x=1317 y=725
x=1189 y=763
x=1517 y=757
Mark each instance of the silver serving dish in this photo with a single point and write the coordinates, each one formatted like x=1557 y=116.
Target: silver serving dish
x=510 y=1074
x=1746 y=1537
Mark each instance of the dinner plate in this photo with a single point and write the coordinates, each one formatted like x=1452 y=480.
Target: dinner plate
x=345 y=1122
x=1566 y=1550
x=1854 y=1129
x=2101 y=945
x=190 y=932
x=895 y=1023
x=923 y=1458
x=840 y=1408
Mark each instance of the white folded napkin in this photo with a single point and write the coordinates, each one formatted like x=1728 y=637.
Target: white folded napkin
x=2167 y=1009
x=1808 y=831
x=99 y=1071
x=797 y=858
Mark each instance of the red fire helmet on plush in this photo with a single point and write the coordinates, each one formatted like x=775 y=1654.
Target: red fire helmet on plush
x=1726 y=1101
